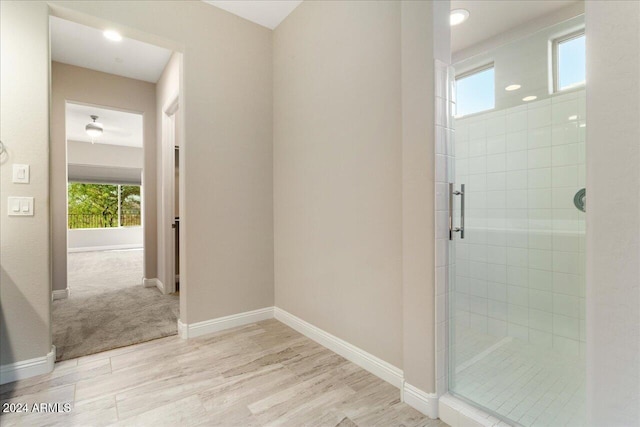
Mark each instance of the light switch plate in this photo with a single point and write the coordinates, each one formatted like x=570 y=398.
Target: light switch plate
x=20 y=174
x=20 y=206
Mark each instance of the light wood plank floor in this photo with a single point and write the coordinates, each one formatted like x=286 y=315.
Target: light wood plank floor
x=259 y=374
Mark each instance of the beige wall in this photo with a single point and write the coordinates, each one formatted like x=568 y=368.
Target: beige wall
x=613 y=213
x=93 y=239
x=337 y=171
x=353 y=149
x=227 y=150
x=71 y=83
x=83 y=153
x=421 y=44
x=25 y=292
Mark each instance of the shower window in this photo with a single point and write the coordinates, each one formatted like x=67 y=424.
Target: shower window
x=475 y=91
x=570 y=61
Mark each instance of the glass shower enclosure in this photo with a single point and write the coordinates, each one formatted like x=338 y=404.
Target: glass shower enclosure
x=516 y=344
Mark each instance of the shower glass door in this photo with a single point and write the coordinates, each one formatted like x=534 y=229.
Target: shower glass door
x=517 y=288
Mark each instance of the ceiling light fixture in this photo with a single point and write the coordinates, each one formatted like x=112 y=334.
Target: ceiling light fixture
x=512 y=87
x=574 y=117
x=458 y=16
x=94 y=129
x=529 y=98
x=112 y=35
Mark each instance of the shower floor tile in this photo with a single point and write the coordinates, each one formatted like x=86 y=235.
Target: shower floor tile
x=525 y=383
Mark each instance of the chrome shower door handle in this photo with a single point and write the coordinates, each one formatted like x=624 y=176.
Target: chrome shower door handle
x=452 y=228
x=462 y=197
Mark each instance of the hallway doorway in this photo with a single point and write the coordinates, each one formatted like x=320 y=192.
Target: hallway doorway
x=106 y=191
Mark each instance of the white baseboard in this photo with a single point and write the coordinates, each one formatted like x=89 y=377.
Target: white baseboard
x=367 y=361
x=153 y=283
x=161 y=287
x=183 y=330
x=197 y=329
x=60 y=294
x=28 y=368
x=427 y=403
x=105 y=248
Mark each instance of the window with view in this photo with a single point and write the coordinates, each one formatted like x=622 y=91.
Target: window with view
x=570 y=60
x=475 y=92
x=103 y=205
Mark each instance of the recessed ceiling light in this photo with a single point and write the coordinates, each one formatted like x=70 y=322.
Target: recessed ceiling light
x=529 y=98
x=583 y=125
x=512 y=87
x=114 y=36
x=458 y=16
x=573 y=117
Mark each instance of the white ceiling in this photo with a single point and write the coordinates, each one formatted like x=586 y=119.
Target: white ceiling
x=86 y=47
x=120 y=128
x=83 y=46
x=268 y=13
x=489 y=18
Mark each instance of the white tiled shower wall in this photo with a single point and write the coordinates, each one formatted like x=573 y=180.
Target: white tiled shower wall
x=520 y=268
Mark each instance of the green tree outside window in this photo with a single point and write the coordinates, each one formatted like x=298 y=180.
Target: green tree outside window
x=103 y=205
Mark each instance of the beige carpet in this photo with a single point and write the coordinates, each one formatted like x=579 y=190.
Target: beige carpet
x=108 y=307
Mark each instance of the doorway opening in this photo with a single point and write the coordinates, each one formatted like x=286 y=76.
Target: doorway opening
x=169 y=258
x=107 y=191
